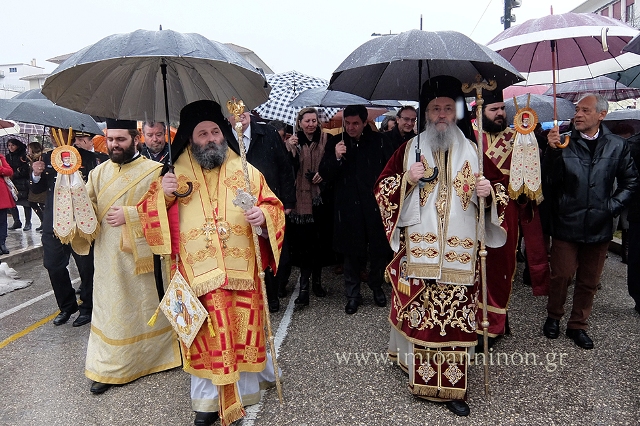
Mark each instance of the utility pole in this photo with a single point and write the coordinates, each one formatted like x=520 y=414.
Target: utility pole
x=508 y=17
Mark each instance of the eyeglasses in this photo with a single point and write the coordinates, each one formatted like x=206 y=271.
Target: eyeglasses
x=412 y=120
x=448 y=110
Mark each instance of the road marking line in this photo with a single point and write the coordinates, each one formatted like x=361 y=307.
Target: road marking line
x=32 y=327
x=27 y=330
x=253 y=410
x=31 y=302
x=25 y=304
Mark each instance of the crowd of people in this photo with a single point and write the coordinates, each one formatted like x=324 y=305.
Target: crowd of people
x=399 y=204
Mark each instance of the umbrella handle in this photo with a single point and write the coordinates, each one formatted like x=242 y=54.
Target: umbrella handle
x=565 y=143
x=433 y=176
x=189 y=187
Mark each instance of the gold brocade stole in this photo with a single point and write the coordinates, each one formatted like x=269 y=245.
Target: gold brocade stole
x=215 y=237
x=498 y=148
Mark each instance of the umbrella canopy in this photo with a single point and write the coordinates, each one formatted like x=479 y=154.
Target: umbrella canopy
x=121 y=76
x=45 y=112
x=611 y=90
x=9 y=128
x=333 y=98
x=284 y=88
x=518 y=90
x=623 y=120
x=543 y=106
x=629 y=77
x=396 y=66
x=587 y=45
x=30 y=94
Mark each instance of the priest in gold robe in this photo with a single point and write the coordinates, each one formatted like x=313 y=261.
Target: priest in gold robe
x=432 y=228
x=228 y=360
x=122 y=347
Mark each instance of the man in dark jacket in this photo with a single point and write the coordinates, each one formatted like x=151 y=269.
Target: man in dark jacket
x=353 y=162
x=266 y=152
x=633 y=259
x=578 y=183
x=155 y=146
x=403 y=130
x=55 y=254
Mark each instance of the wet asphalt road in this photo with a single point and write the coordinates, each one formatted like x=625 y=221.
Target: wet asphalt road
x=335 y=370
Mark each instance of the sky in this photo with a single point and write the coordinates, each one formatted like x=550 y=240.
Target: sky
x=312 y=38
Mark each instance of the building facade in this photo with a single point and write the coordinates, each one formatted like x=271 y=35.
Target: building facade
x=623 y=10
x=12 y=80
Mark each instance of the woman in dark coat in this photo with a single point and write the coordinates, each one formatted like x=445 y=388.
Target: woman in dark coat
x=6 y=202
x=17 y=159
x=310 y=238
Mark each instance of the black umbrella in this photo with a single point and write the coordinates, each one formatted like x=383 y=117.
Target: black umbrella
x=332 y=98
x=396 y=66
x=152 y=75
x=543 y=106
x=45 y=112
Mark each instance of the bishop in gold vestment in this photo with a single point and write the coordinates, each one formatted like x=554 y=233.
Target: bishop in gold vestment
x=227 y=360
x=122 y=347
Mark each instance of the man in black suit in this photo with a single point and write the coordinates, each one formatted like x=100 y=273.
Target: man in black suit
x=267 y=153
x=55 y=254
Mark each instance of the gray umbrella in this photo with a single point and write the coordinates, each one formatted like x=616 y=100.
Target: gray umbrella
x=543 y=106
x=45 y=112
x=396 y=66
x=30 y=94
x=121 y=76
x=333 y=98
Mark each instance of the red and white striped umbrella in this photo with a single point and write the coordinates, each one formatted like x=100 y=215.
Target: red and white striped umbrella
x=587 y=45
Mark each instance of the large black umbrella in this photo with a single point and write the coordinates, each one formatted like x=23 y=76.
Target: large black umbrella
x=45 y=112
x=396 y=66
x=542 y=105
x=131 y=76
x=332 y=98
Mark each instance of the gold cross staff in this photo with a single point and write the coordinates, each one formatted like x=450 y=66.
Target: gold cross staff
x=478 y=86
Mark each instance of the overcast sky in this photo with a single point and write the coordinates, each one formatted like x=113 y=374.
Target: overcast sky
x=310 y=37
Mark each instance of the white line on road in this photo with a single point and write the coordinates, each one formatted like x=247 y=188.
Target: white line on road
x=253 y=410
x=31 y=302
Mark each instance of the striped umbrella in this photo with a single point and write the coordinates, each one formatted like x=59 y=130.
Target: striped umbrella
x=284 y=88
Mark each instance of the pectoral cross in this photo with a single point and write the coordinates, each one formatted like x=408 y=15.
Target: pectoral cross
x=208 y=229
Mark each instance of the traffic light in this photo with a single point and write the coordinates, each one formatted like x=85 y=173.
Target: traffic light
x=508 y=17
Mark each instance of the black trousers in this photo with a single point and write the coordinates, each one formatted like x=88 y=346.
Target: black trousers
x=633 y=262
x=56 y=259
x=353 y=264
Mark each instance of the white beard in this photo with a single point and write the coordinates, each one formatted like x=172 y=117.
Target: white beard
x=440 y=140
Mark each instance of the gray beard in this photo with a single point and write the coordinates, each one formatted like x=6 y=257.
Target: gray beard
x=440 y=140
x=211 y=155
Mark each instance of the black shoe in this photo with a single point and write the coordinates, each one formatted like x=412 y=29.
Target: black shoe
x=27 y=227
x=352 y=307
x=317 y=289
x=205 y=419
x=379 y=298
x=63 y=317
x=97 y=388
x=16 y=225
x=82 y=320
x=480 y=345
x=551 y=328
x=458 y=407
x=580 y=338
x=3 y=249
x=302 y=299
x=274 y=305
x=39 y=228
